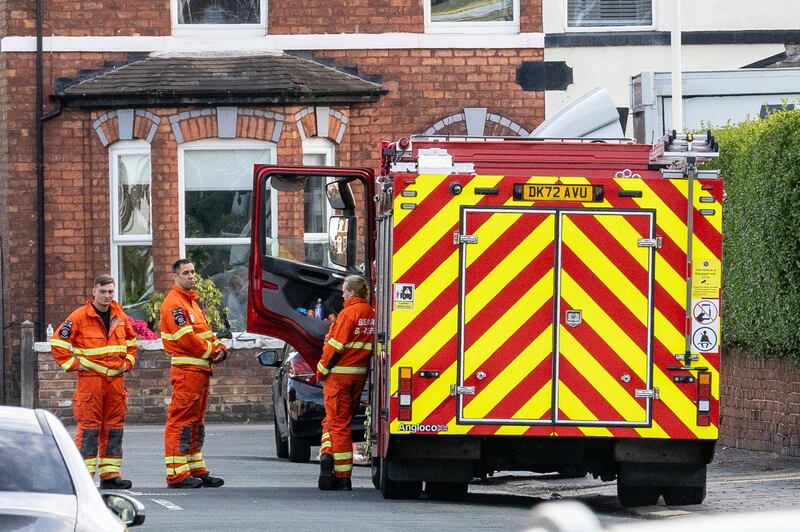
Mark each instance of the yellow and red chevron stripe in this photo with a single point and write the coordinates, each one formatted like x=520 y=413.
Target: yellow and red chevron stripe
x=492 y=314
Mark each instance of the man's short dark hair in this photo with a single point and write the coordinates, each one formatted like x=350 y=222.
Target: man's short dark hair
x=179 y=263
x=103 y=279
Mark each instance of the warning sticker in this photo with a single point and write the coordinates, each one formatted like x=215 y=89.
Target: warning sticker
x=704 y=340
x=705 y=325
x=706 y=278
x=403 y=296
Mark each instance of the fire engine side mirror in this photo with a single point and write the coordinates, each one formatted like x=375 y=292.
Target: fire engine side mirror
x=342 y=240
x=340 y=197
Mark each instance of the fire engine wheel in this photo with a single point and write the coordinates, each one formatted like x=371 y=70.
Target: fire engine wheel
x=630 y=496
x=446 y=491
x=397 y=489
x=281 y=445
x=682 y=496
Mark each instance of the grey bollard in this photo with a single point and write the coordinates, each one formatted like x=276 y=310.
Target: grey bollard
x=27 y=363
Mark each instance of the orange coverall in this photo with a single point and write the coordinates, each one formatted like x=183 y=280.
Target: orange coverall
x=188 y=339
x=343 y=367
x=99 y=402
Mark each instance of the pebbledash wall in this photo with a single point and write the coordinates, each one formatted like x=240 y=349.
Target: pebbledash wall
x=241 y=389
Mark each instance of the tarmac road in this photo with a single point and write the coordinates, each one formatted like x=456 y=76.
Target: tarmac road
x=262 y=492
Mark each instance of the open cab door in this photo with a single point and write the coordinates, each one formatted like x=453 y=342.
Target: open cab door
x=311 y=228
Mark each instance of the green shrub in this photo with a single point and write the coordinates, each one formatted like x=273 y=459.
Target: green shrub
x=760 y=163
x=209 y=294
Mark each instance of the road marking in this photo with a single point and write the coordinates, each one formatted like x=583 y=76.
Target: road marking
x=166 y=504
x=765 y=478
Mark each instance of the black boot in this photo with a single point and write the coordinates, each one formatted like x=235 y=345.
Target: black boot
x=326 y=477
x=211 y=482
x=189 y=482
x=116 y=483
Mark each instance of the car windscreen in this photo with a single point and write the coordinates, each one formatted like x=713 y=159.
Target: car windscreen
x=32 y=462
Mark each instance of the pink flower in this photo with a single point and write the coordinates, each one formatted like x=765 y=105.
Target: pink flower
x=142 y=330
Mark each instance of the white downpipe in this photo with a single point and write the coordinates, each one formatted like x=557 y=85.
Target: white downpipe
x=677 y=68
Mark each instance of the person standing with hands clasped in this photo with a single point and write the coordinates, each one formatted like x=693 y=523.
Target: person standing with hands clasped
x=188 y=338
x=97 y=341
x=344 y=366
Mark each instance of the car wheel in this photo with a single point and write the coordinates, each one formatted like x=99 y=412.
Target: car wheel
x=397 y=489
x=376 y=472
x=299 y=450
x=446 y=491
x=682 y=496
x=281 y=445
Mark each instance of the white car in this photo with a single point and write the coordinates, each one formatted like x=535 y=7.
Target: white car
x=44 y=484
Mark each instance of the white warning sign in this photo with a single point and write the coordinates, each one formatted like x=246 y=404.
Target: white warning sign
x=705 y=325
x=403 y=296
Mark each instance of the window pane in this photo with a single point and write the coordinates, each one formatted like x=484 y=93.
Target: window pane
x=226 y=265
x=587 y=13
x=314 y=206
x=472 y=10
x=217 y=194
x=135 y=274
x=219 y=11
x=134 y=194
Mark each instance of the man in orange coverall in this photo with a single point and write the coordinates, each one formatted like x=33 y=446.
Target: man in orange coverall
x=188 y=339
x=343 y=367
x=97 y=342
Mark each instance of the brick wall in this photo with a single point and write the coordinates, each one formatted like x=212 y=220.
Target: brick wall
x=153 y=17
x=760 y=407
x=241 y=389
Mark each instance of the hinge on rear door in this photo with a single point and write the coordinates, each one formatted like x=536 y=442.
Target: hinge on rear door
x=455 y=389
x=656 y=242
x=649 y=394
x=459 y=239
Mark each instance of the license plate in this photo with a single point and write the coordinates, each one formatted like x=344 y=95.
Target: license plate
x=536 y=192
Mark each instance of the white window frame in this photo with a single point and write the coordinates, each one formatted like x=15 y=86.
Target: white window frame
x=125 y=147
x=511 y=26
x=218 y=30
x=222 y=144
x=589 y=29
x=324 y=147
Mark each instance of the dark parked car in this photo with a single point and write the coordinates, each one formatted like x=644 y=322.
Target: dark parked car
x=299 y=405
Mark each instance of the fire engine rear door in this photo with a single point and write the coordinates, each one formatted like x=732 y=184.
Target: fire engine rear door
x=603 y=366
x=506 y=316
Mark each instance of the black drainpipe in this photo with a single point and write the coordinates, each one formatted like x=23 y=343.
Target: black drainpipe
x=40 y=119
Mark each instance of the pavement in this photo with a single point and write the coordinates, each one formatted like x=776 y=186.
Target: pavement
x=738 y=481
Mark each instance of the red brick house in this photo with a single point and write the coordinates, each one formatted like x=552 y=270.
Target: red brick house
x=153 y=114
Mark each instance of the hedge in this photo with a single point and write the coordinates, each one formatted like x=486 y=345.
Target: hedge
x=760 y=164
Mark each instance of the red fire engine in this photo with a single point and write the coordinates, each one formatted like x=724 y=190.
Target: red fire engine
x=542 y=305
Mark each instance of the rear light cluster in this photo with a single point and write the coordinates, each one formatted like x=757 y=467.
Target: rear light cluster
x=703 y=399
x=299 y=370
x=404 y=394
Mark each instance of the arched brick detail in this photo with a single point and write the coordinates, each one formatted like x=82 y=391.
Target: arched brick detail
x=126 y=124
x=476 y=121
x=321 y=122
x=227 y=123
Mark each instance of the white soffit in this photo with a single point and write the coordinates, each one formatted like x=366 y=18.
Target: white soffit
x=342 y=41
